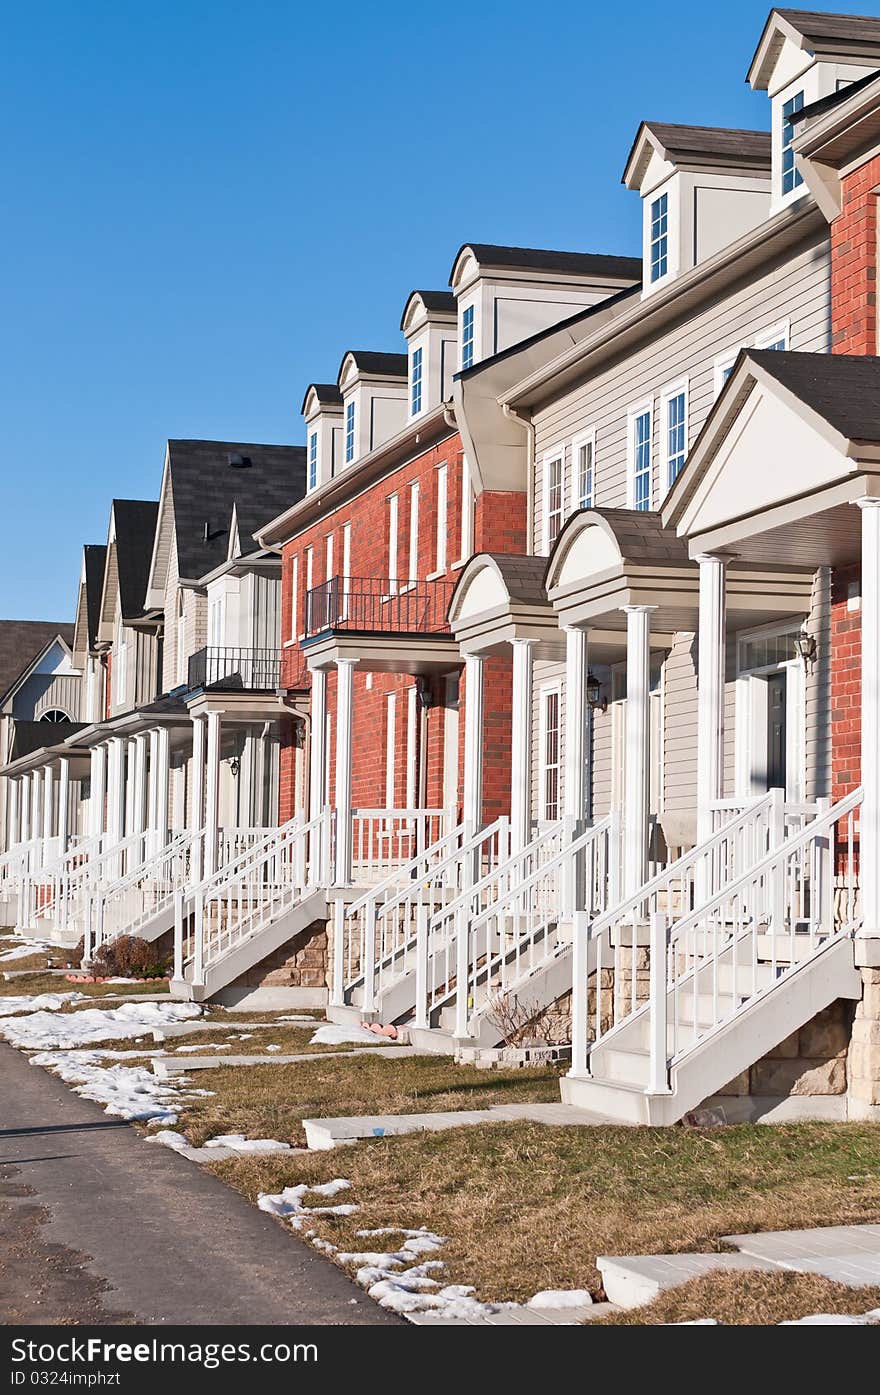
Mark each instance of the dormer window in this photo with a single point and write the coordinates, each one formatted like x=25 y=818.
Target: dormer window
x=349 y=432
x=791 y=175
x=313 y=459
x=416 y=382
x=659 y=243
x=467 y=337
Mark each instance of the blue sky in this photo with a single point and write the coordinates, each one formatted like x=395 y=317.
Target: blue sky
x=207 y=202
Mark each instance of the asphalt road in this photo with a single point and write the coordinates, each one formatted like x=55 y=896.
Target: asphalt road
x=96 y=1227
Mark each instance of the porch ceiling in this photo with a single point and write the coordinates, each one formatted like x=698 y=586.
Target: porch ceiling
x=419 y=655
x=237 y=706
x=820 y=530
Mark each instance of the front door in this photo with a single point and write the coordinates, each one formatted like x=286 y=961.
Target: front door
x=776 y=731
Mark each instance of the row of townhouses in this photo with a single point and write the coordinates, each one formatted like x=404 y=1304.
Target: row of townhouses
x=543 y=682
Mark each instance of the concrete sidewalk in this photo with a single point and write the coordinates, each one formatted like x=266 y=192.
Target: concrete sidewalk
x=138 y=1234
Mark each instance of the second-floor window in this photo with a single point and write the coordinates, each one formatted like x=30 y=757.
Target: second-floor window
x=442 y=518
x=674 y=432
x=550 y=755
x=392 y=543
x=467 y=337
x=584 y=451
x=413 y=566
x=313 y=460
x=640 y=458
x=659 y=244
x=349 y=433
x=791 y=176
x=180 y=641
x=553 y=498
x=416 y=390
x=294 y=598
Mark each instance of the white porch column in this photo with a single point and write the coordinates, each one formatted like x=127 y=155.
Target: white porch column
x=13 y=834
x=521 y=745
x=472 y=800
x=97 y=789
x=637 y=787
x=344 y=717
x=153 y=843
x=116 y=791
x=139 y=790
x=869 y=832
x=37 y=805
x=161 y=772
x=576 y=665
x=48 y=803
x=710 y=690
x=197 y=814
x=64 y=805
x=212 y=793
x=26 y=833
x=318 y=739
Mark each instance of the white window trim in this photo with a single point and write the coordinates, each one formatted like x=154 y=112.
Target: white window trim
x=467 y=516
x=639 y=409
x=412 y=774
x=346 y=569
x=584 y=438
x=549 y=458
x=666 y=396
x=670 y=188
x=746 y=718
x=294 y=596
x=412 y=566
x=328 y=563
x=475 y=342
x=722 y=362
x=545 y=691
x=393 y=524
x=390 y=743
x=310 y=581
x=442 y=541
x=781 y=330
x=423 y=363
x=780 y=199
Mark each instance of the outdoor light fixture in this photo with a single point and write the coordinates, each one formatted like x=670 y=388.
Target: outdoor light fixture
x=594 y=693
x=234 y=765
x=805 y=644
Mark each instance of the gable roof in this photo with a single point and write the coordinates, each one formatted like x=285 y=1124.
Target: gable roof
x=372 y=363
x=435 y=302
x=843 y=389
x=95 y=562
x=22 y=642
x=543 y=259
x=29 y=737
x=135 y=529
x=206 y=485
x=326 y=394
x=714 y=145
x=812 y=30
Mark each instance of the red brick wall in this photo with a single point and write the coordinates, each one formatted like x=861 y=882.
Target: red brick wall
x=853 y=331
x=499 y=526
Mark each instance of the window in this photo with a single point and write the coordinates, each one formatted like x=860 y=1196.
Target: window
x=313 y=459
x=412 y=747
x=791 y=177
x=346 y=570
x=467 y=512
x=553 y=498
x=328 y=571
x=640 y=457
x=310 y=581
x=416 y=382
x=659 y=239
x=390 y=753
x=413 y=566
x=441 y=519
x=583 y=453
x=674 y=431
x=54 y=714
x=120 y=661
x=349 y=432
x=294 y=597
x=774 y=338
x=724 y=368
x=549 y=739
x=216 y=617
x=180 y=642
x=467 y=337
x=392 y=544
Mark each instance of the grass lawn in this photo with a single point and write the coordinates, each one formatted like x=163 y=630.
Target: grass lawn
x=528 y=1207
x=272 y=1101
x=41 y=982
x=292 y=1041
x=748 y=1298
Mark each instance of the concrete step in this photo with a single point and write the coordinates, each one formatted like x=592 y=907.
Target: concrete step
x=630 y=1281
x=323 y=1134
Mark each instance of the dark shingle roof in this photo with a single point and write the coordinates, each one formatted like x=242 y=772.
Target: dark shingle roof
x=540 y=259
x=843 y=389
x=135 y=532
x=28 y=737
x=818 y=25
x=328 y=395
x=443 y=302
x=20 y=643
x=640 y=535
x=205 y=486
x=523 y=576
x=95 y=563
x=748 y=147
x=383 y=365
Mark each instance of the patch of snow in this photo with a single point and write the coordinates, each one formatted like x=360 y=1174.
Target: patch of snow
x=44 y=1032
x=24 y=950
x=560 y=1298
x=273 y=1048
x=834 y=1320
x=206 y=1046
x=39 y=1002
x=125 y=1092
x=170 y=1138
x=239 y=1144
x=332 y=1035
x=288 y=1204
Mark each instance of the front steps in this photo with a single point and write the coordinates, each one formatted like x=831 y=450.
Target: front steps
x=620 y=1064
x=252 y=949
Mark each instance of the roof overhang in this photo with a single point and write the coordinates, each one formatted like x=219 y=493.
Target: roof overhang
x=833 y=142
x=780 y=29
x=419 y=655
x=484 y=617
x=235 y=705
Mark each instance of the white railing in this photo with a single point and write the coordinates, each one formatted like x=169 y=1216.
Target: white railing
x=16 y=865
x=375 y=938
x=249 y=894
x=724 y=883
x=504 y=927
x=383 y=840
x=127 y=905
x=58 y=894
x=232 y=842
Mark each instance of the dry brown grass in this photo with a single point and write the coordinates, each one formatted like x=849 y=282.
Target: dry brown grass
x=748 y=1298
x=528 y=1207
x=40 y=982
x=272 y=1101
x=292 y=1040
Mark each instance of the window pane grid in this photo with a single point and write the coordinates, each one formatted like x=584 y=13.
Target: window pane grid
x=349 y=433
x=642 y=461
x=791 y=177
x=416 y=381
x=467 y=337
x=676 y=436
x=313 y=460
x=554 y=499
x=585 y=475
x=551 y=756
x=659 y=237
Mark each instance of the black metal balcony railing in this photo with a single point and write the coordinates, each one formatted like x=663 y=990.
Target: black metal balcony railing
x=376 y=605
x=295 y=676
x=252 y=670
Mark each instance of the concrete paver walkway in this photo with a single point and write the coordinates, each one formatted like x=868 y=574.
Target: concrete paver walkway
x=849 y=1254
x=322 y=1134
x=172 y=1243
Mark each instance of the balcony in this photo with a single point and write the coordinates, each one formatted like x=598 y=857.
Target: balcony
x=242 y=670
x=377 y=605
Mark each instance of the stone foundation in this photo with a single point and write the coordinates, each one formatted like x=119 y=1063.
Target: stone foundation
x=812 y=1061
x=299 y=963
x=863 y=1062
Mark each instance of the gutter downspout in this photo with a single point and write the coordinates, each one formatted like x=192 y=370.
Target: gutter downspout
x=529 y=427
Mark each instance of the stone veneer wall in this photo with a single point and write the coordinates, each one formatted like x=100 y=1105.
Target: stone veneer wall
x=300 y=963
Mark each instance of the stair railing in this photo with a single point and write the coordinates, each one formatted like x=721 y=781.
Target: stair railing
x=125 y=906
x=384 y=840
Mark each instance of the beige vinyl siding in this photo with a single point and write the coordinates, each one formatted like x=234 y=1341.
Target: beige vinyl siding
x=43 y=691
x=680 y=740
x=797 y=290
x=261 y=606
